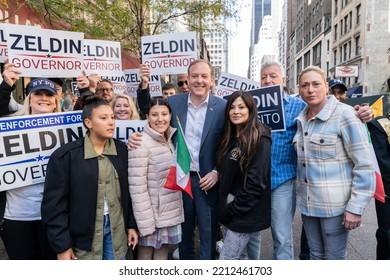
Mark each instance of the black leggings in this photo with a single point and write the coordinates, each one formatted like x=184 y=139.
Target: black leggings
x=383 y=232
x=26 y=240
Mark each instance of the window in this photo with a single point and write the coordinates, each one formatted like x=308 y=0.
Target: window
x=358 y=14
x=335 y=57
x=357 y=46
x=335 y=32
x=327 y=46
x=345 y=52
x=299 y=67
x=346 y=24
x=341 y=27
x=341 y=54
x=307 y=59
x=350 y=20
x=317 y=55
x=335 y=8
x=349 y=49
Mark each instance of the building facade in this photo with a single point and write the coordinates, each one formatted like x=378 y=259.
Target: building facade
x=335 y=34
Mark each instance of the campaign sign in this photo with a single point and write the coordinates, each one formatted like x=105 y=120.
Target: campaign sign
x=270 y=109
x=75 y=89
x=169 y=53
x=133 y=80
x=3 y=44
x=102 y=57
x=118 y=83
x=27 y=142
x=228 y=83
x=45 y=52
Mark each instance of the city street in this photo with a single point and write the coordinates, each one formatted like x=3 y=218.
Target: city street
x=362 y=242
x=361 y=246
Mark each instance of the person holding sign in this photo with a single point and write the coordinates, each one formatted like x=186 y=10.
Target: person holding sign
x=157 y=210
x=335 y=178
x=244 y=163
x=202 y=117
x=143 y=91
x=10 y=75
x=86 y=206
x=20 y=209
x=124 y=108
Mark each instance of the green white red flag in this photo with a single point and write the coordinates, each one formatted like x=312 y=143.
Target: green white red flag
x=179 y=174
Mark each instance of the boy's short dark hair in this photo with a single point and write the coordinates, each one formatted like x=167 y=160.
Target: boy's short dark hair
x=169 y=86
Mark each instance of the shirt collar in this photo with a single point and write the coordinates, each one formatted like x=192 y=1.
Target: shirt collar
x=328 y=108
x=206 y=101
x=89 y=151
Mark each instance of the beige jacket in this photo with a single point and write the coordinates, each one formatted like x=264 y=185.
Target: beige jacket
x=153 y=205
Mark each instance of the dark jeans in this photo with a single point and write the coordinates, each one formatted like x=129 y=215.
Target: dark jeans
x=383 y=231
x=26 y=240
x=198 y=211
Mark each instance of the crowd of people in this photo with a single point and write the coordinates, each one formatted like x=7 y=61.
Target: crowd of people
x=101 y=198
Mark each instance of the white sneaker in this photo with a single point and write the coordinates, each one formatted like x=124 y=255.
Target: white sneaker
x=176 y=255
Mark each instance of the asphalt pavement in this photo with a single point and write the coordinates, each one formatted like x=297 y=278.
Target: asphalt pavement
x=361 y=245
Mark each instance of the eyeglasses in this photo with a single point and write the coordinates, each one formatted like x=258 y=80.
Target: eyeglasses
x=181 y=83
x=101 y=90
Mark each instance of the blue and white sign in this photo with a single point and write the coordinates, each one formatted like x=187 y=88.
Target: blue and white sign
x=27 y=142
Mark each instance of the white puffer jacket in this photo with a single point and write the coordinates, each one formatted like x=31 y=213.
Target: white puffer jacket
x=153 y=205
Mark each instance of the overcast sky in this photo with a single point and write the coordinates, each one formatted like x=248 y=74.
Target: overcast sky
x=239 y=57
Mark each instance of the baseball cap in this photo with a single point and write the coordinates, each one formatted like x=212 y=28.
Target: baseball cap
x=57 y=81
x=337 y=82
x=42 y=84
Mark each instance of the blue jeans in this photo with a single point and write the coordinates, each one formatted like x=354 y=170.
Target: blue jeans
x=282 y=216
x=254 y=246
x=235 y=245
x=108 y=249
x=327 y=237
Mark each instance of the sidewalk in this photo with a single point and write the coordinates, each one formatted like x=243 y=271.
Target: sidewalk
x=362 y=242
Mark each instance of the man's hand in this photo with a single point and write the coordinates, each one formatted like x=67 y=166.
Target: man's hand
x=10 y=73
x=134 y=141
x=144 y=73
x=82 y=80
x=67 y=255
x=132 y=238
x=351 y=221
x=94 y=79
x=364 y=112
x=208 y=181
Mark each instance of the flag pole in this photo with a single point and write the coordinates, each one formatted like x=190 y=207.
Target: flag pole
x=185 y=140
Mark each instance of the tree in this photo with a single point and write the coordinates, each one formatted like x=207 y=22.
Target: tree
x=128 y=20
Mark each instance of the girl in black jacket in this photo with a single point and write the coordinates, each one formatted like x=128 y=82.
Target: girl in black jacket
x=244 y=167
x=86 y=205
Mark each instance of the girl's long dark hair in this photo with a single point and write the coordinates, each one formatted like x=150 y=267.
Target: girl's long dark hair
x=250 y=132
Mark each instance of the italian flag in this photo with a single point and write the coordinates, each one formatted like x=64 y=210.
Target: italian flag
x=179 y=174
x=380 y=190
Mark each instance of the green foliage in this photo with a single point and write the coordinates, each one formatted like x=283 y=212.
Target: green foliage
x=128 y=20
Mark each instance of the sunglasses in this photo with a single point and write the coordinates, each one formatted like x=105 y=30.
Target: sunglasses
x=181 y=83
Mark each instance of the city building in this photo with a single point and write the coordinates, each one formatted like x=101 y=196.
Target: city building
x=348 y=39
